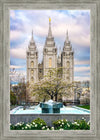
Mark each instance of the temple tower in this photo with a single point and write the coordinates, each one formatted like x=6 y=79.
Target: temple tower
x=68 y=61
x=32 y=62
x=49 y=52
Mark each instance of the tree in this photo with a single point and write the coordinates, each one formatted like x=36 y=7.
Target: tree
x=85 y=97
x=12 y=98
x=51 y=86
x=20 y=92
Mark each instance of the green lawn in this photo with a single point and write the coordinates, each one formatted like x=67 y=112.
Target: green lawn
x=84 y=106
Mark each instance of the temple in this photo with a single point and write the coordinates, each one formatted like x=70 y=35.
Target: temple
x=51 y=59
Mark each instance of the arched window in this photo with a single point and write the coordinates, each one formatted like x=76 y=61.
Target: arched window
x=32 y=72
x=32 y=79
x=68 y=72
x=32 y=64
x=68 y=79
x=50 y=62
x=68 y=64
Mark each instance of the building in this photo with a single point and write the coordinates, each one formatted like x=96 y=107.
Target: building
x=65 y=59
x=32 y=62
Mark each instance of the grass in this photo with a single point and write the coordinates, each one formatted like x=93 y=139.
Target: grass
x=84 y=106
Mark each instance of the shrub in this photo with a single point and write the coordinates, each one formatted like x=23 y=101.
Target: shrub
x=60 y=124
x=81 y=124
x=76 y=125
x=39 y=124
x=12 y=98
x=17 y=126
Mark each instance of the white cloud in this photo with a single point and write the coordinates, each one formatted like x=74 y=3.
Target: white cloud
x=18 y=53
x=15 y=67
x=15 y=35
x=80 y=78
x=82 y=62
x=79 y=33
x=40 y=52
x=81 y=69
x=20 y=50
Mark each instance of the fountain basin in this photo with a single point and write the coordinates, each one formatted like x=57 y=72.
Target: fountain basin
x=51 y=107
x=28 y=115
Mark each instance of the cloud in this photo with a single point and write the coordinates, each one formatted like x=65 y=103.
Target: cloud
x=82 y=69
x=18 y=53
x=15 y=67
x=15 y=35
x=20 y=50
x=40 y=52
x=76 y=21
x=38 y=21
x=79 y=78
x=81 y=62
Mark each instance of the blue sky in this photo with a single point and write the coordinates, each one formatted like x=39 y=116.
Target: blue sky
x=77 y=22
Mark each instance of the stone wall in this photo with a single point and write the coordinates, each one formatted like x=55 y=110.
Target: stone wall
x=48 y=118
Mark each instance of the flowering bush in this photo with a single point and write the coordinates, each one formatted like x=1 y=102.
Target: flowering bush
x=39 y=124
x=76 y=125
x=61 y=124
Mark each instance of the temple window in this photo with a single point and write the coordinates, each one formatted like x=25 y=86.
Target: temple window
x=32 y=79
x=32 y=64
x=50 y=62
x=68 y=72
x=32 y=72
x=68 y=64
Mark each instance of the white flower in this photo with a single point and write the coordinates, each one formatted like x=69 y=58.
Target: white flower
x=35 y=125
x=22 y=128
x=59 y=122
x=68 y=125
x=78 y=124
x=52 y=128
x=88 y=122
x=33 y=122
x=43 y=127
x=25 y=127
x=62 y=123
x=18 y=123
x=75 y=123
x=61 y=129
x=47 y=128
x=82 y=118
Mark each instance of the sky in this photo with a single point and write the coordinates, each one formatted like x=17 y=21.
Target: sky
x=22 y=22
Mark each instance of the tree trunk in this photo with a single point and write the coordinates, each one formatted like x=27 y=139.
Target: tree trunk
x=51 y=97
x=56 y=97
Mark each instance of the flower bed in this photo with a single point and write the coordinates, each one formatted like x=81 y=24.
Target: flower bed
x=39 y=124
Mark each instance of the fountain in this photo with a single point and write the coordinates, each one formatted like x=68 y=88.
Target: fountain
x=51 y=106
x=48 y=111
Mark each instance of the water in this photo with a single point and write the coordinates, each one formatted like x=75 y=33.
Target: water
x=37 y=110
